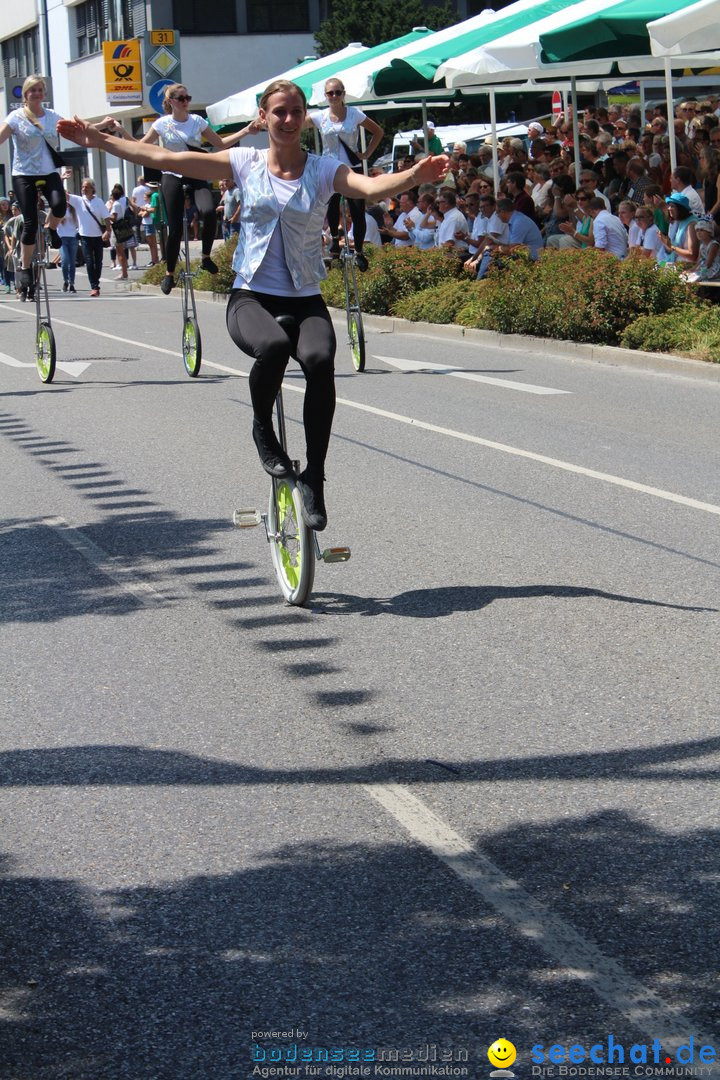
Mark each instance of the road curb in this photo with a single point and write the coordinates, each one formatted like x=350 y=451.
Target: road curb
x=611 y=355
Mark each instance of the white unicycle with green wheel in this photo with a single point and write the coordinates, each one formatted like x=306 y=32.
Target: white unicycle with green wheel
x=356 y=334
x=191 y=340
x=44 y=336
x=294 y=546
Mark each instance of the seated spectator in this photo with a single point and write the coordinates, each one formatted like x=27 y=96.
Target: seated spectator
x=639 y=180
x=522 y=231
x=422 y=233
x=680 y=246
x=487 y=226
x=589 y=182
x=646 y=241
x=654 y=200
x=576 y=232
x=398 y=229
x=626 y=213
x=707 y=267
x=562 y=186
x=608 y=231
x=682 y=181
x=453 y=222
x=619 y=183
x=710 y=173
x=539 y=175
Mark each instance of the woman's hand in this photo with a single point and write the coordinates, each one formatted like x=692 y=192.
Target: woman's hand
x=80 y=132
x=432 y=169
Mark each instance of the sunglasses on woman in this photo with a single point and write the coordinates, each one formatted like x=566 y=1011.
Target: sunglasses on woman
x=334 y=93
x=182 y=97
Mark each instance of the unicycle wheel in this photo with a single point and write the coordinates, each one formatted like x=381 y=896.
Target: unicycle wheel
x=45 y=352
x=191 y=347
x=291 y=543
x=356 y=339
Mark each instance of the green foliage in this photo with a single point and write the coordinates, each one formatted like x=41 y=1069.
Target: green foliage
x=394 y=273
x=374 y=21
x=691 y=331
x=439 y=304
x=578 y=295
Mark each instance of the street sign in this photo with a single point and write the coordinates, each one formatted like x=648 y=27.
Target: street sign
x=556 y=103
x=123 y=72
x=162 y=62
x=156 y=95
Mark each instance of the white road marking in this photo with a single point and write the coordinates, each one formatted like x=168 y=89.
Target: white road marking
x=12 y=362
x=104 y=562
x=579 y=960
x=424 y=425
x=461 y=373
x=71 y=367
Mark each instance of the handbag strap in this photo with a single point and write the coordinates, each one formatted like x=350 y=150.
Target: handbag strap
x=87 y=207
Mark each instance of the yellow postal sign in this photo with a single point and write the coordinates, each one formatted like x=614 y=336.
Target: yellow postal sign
x=123 y=71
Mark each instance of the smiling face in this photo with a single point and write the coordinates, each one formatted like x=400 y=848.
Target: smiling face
x=284 y=114
x=502 y=1054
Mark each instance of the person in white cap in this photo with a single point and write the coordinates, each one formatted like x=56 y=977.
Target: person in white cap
x=535 y=130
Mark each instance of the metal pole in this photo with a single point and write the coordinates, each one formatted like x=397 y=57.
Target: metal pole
x=493 y=133
x=576 y=130
x=670 y=112
x=363 y=147
x=425 y=127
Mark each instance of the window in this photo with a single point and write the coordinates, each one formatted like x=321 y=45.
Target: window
x=20 y=56
x=107 y=20
x=201 y=17
x=277 y=16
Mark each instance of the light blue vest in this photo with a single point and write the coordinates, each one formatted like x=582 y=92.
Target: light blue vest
x=301 y=222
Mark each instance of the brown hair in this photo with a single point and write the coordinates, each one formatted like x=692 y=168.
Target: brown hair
x=168 y=93
x=281 y=86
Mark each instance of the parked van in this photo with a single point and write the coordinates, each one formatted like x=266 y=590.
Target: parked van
x=473 y=135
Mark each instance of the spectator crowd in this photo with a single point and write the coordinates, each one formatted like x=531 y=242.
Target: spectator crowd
x=622 y=197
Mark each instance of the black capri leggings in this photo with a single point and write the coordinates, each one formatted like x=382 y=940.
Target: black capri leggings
x=252 y=326
x=26 y=192
x=172 y=190
x=357 y=214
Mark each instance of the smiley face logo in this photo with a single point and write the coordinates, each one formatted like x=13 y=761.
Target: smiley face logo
x=502 y=1054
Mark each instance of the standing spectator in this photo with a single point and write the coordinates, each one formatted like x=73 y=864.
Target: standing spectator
x=5 y=216
x=231 y=211
x=190 y=212
x=434 y=144
x=609 y=233
x=148 y=228
x=118 y=207
x=138 y=200
x=94 y=229
x=13 y=234
x=67 y=230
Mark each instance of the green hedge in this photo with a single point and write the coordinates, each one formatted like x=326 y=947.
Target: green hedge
x=219 y=283
x=692 y=331
x=445 y=303
x=394 y=273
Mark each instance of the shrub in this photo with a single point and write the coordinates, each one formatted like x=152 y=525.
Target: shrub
x=393 y=274
x=440 y=304
x=691 y=331
x=578 y=295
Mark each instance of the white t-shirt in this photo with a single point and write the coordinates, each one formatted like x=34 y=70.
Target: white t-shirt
x=66 y=226
x=372 y=232
x=87 y=226
x=454 y=221
x=177 y=135
x=31 y=156
x=273 y=276
x=141 y=195
x=609 y=233
x=417 y=215
x=335 y=132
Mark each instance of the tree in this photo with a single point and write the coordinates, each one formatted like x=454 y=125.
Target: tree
x=374 y=21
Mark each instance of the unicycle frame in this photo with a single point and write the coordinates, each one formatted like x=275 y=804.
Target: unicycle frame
x=190 y=328
x=44 y=335
x=353 y=312
x=186 y=277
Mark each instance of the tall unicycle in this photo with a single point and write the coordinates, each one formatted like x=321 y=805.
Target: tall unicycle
x=294 y=546
x=191 y=340
x=356 y=334
x=44 y=336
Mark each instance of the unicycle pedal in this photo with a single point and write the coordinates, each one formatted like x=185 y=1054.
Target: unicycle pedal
x=246 y=518
x=332 y=554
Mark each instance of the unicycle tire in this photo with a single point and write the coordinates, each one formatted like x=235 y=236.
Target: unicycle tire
x=356 y=339
x=45 y=352
x=291 y=543
x=191 y=347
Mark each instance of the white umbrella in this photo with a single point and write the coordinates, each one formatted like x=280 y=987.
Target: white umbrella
x=243 y=105
x=690 y=30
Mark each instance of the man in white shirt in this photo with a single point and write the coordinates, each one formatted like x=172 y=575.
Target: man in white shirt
x=398 y=231
x=682 y=182
x=609 y=233
x=453 y=222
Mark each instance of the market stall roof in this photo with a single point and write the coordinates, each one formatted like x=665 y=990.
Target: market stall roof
x=693 y=29
x=619 y=30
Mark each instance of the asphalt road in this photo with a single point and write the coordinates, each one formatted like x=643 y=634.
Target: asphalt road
x=469 y=792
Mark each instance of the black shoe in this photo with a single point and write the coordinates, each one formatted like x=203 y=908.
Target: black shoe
x=334 y=248
x=71 y=288
x=24 y=279
x=65 y=286
x=310 y=485
x=362 y=263
x=55 y=241
x=31 y=293
x=208 y=264
x=274 y=459
x=167 y=284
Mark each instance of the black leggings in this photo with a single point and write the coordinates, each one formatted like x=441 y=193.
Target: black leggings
x=357 y=214
x=252 y=326
x=26 y=193
x=174 y=196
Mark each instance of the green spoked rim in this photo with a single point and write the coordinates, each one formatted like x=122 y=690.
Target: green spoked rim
x=355 y=343
x=189 y=346
x=43 y=353
x=288 y=535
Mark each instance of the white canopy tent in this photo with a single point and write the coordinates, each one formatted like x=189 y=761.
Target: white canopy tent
x=694 y=29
